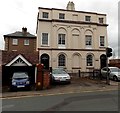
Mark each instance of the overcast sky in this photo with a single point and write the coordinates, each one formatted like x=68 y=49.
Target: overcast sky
x=16 y=14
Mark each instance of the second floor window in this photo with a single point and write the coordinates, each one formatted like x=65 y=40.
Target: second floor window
x=102 y=41
x=44 y=38
x=15 y=42
x=88 y=18
x=61 y=39
x=88 y=40
x=61 y=16
x=45 y=15
x=26 y=42
x=101 y=20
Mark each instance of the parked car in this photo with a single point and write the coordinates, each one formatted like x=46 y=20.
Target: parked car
x=20 y=80
x=60 y=76
x=114 y=73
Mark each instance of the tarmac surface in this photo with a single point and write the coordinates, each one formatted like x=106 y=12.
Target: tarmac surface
x=77 y=85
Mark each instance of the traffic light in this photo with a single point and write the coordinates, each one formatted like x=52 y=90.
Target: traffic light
x=108 y=52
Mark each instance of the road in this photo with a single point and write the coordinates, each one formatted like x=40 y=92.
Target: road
x=89 y=101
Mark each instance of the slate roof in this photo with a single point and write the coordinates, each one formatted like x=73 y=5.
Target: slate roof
x=20 y=35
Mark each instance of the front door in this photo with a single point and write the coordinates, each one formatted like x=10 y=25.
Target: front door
x=45 y=60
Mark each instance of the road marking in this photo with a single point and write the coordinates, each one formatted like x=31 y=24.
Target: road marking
x=52 y=94
x=6 y=106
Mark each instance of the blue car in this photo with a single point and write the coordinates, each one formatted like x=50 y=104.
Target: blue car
x=20 y=80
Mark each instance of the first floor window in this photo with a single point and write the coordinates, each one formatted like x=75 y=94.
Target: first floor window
x=102 y=41
x=89 y=60
x=44 y=38
x=61 y=60
x=88 y=40
x=26 y=42
x=61 y=39
x=15 y=41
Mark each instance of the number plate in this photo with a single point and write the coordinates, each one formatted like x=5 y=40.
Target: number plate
x=62 y=79
x=20 y=86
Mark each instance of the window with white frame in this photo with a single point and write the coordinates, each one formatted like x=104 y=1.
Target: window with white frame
x=15 y=41
x=44 y=38
x=88 y=40
x=102 y=41
x=61 y=39
x=88 y=18
x=26 y=42
x=89 y=60
x=45 y=14
x=61 y=60
x=61 y=16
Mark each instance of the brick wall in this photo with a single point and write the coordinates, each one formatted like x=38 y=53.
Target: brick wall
x=46 y=81
x=114 y=62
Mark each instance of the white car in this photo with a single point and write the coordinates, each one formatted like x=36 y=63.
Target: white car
x=114 y=73
x=59 y=75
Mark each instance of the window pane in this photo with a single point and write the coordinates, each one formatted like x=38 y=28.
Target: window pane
x=89 y=60
x=61 y=60
x=87 y=18
x=15 y=41
x=45 y=15
x=100 y=20
x=102 y=41
x=88 y=40
x=61 y=16
x=45 y=38
x=61 y=39
x=26 y=42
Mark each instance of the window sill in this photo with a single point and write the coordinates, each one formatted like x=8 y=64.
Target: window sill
x=89 y=67
x=102 y=47
x=44 y=45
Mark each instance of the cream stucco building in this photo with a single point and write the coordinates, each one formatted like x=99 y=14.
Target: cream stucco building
x=74 y=40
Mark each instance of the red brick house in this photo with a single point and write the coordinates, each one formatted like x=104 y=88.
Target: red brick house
x=19 y=55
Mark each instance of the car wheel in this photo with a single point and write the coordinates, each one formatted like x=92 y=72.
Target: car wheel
x=115 y=78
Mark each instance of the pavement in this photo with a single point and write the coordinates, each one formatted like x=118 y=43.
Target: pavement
x=77 y=85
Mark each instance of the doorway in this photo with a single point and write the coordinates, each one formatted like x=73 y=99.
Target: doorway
x=103 y=59
x=45 y=60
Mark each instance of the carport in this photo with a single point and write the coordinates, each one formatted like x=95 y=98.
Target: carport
x=17 y=64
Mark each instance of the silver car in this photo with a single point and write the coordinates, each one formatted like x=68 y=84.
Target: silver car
x=59 y=75
x=114 y=73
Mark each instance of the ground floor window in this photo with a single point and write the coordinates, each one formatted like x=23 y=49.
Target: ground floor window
x=89 y=60
x=61 y=60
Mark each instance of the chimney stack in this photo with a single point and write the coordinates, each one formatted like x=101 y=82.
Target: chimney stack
x=70 y=6
x=24 y=30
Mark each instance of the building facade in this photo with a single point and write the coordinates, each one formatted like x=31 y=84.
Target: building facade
x=19 y=55
x=20 y=41
x=74 y=40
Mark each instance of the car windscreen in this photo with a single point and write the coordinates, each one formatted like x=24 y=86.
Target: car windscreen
x=58 y=72
x=20 y=75
x=115 y=69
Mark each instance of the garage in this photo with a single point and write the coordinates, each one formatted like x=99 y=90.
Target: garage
x=18 y=64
